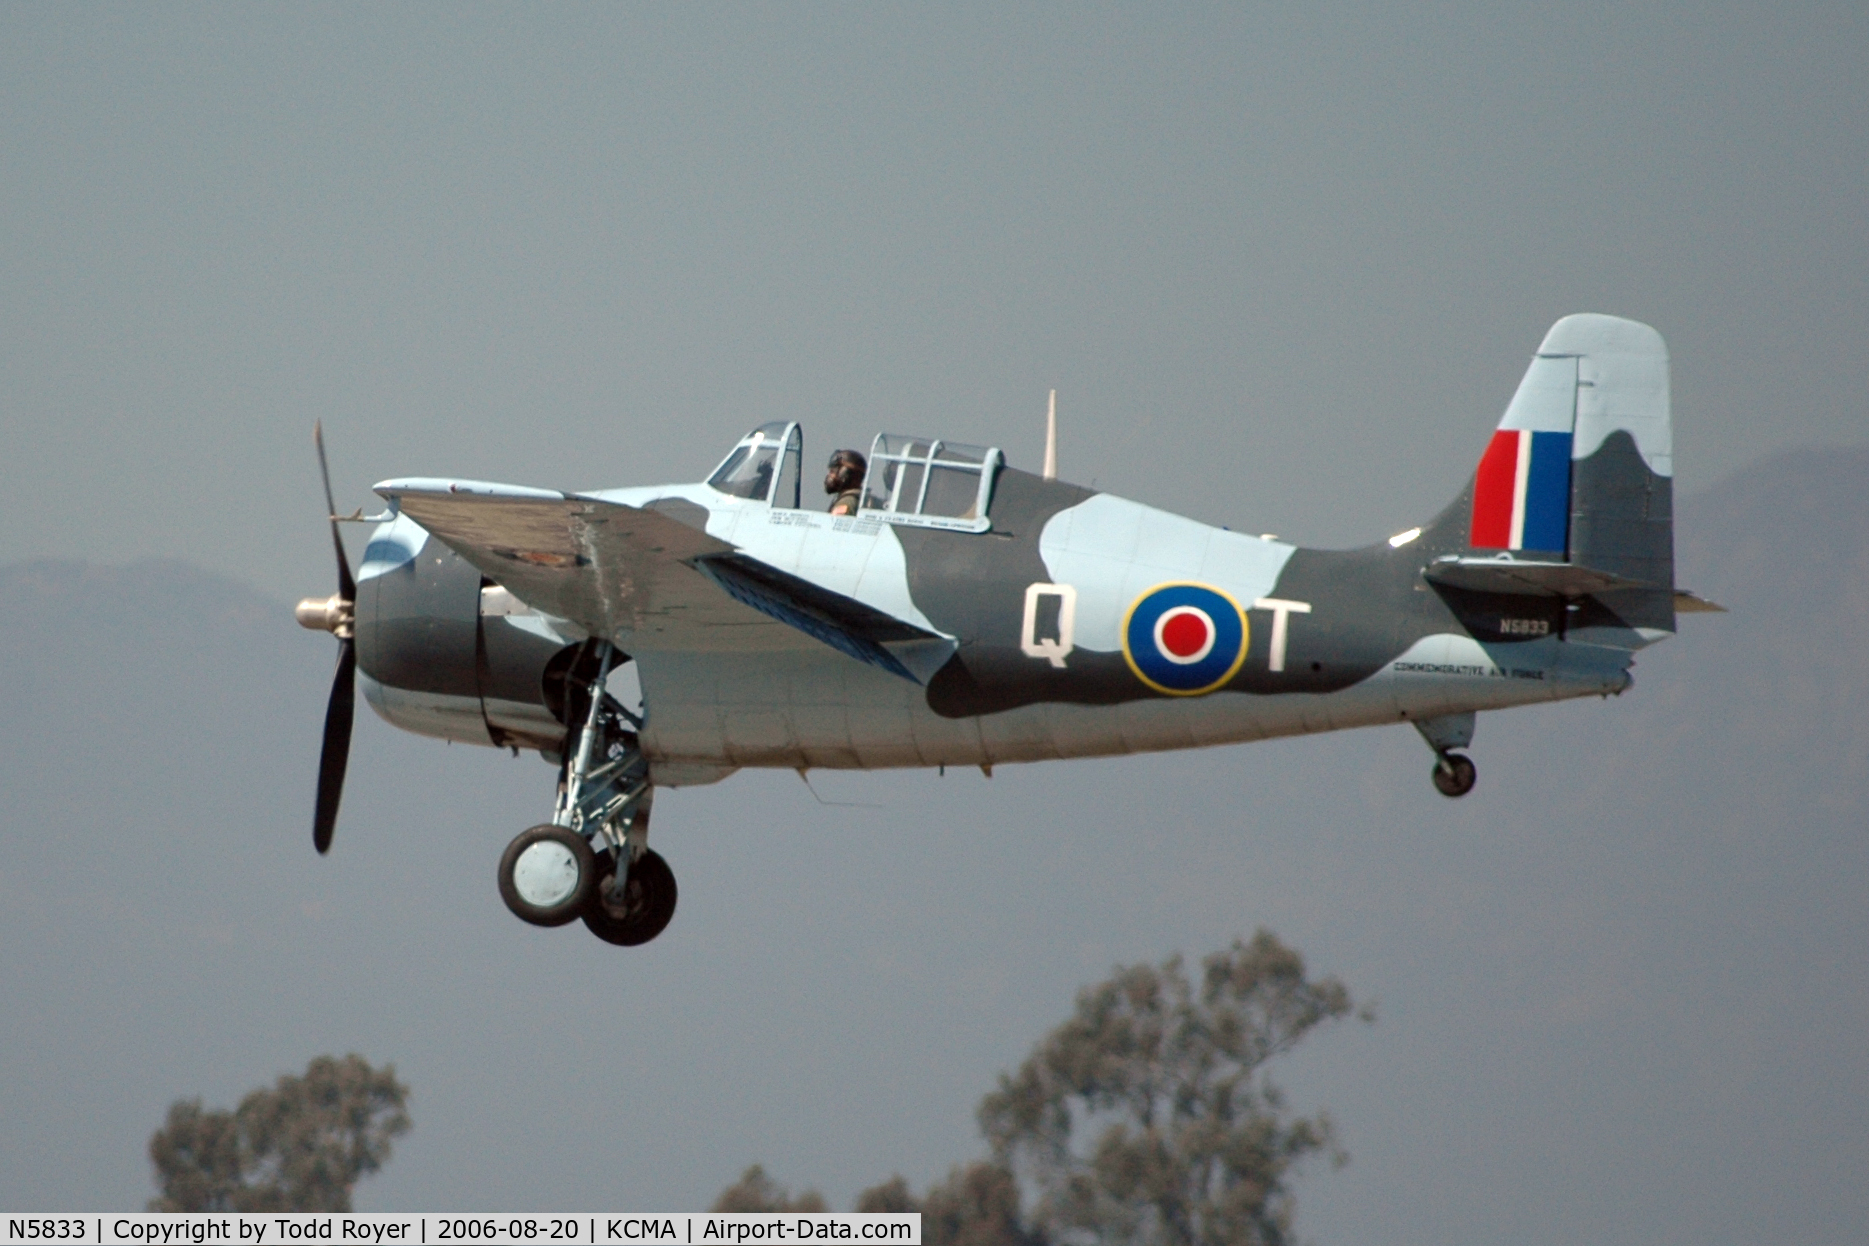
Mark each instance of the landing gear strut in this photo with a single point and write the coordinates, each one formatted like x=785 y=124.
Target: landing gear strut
x=593 y=859
x=1454 y=773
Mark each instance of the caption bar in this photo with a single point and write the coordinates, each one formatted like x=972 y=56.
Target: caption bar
x=379 y=1229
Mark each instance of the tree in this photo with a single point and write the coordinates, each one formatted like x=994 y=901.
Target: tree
x=755 y=1191
x=977 y=1206
x=1145 y=1118
x=892 y=1195
x=197 y=1159
x=299 y=1145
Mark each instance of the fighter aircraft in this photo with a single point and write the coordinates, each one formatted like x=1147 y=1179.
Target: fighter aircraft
x=971 y=614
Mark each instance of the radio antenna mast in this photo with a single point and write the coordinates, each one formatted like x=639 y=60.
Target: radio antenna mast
x=1051 y=438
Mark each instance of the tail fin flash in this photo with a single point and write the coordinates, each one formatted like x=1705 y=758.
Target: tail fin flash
x=1521 y=493
x=1576 y=487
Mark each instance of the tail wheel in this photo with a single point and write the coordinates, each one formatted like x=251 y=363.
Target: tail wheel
x=642 y=911
x=1454 y=774
x=546 y=875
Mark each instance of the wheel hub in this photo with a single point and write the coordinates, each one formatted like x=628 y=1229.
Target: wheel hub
x=546 y=874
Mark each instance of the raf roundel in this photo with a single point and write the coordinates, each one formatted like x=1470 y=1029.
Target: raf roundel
x=1185 y=639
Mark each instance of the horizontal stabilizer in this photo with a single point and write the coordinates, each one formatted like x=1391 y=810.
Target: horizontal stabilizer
x=1690 y=603
x=1515 y=575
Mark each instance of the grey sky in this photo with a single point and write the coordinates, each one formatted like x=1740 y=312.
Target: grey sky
x=1622 y=986
x=1284 y=268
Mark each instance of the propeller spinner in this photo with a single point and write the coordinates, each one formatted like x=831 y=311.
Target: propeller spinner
x=335 y=614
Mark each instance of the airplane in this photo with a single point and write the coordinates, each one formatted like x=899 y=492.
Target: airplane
x=968 y=613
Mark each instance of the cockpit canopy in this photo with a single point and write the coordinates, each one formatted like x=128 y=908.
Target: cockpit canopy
x=917 y=476
x=918 y=481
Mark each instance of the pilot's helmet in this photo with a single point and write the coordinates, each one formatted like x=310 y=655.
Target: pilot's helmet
x=845 y=471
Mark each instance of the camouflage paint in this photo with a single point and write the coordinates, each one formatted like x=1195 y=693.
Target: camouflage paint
x=776 y=636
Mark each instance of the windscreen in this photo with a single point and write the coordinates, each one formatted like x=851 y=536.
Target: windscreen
x=748 y=472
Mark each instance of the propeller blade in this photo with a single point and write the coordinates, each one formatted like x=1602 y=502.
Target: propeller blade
x=336 y=755
x=346 y=586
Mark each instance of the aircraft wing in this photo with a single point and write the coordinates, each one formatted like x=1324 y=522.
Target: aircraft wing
x=845 y=624
x=649 y=580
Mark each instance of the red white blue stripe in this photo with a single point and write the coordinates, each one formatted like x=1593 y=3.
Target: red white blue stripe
x=1521 y=494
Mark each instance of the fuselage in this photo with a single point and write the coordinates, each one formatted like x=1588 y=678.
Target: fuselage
x=1074 y=627
x=945 y=609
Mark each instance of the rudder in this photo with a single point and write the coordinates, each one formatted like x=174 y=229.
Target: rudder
x=1622 y=459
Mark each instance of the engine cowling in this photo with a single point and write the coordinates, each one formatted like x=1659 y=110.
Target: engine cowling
x=444 y=652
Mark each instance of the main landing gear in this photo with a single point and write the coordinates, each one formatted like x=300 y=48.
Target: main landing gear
x=593 y=859
x=1454 y=773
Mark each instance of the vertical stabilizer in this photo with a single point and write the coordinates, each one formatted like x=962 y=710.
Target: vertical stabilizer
x=1581 y=468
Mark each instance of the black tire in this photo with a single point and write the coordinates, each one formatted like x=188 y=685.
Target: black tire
x=546 y=875
x=648 y=901
x=1455 y=775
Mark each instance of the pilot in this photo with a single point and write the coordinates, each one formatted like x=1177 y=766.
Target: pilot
x=844 y=481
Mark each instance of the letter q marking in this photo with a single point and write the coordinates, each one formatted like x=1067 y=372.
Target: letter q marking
x=1054 y=649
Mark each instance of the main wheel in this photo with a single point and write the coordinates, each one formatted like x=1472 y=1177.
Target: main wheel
x=546 y=875
x=644 y=910
x=1454 y=774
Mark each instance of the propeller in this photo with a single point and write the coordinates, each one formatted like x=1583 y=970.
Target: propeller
x=335 y=614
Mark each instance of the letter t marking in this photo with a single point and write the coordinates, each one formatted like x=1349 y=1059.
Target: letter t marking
x=1282 y=611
